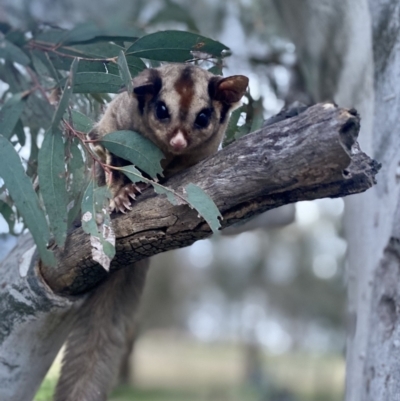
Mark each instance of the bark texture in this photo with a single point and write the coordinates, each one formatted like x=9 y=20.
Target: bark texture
x=381 y=368
x=34 y=324
x=355 y=60
x=310 y=156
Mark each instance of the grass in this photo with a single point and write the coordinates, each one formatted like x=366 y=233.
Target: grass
x=176 y=368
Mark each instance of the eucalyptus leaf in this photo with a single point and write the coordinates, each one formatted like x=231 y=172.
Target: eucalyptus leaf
x=63 y=103
x=17 y=81
x=89 y=210
x=44 y=66
x=12 y=53
x=177 y=46
x=135 y=65
x=21 y=191
x=97 y=82
x=10 y=113
x=101 y=50
x=8 y=215
x=216 y=69
x=232 y=128
x=38 y=65
x=76 y=180
x=38 y=113
x=16 y=37
x=204 y=205
x=124 y=72
x=136 y=176
x=64 y=64
x=171 y=196
x=31 y=169
x=80 y=121
x=140 y=151
x=52 y=181
x=20 y=132
x=96 y=222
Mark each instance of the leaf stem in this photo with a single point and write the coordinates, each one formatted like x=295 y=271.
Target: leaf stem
x=33 y=44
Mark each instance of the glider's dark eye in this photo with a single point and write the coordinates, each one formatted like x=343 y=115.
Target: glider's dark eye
x=162 y=111
x=203 y=118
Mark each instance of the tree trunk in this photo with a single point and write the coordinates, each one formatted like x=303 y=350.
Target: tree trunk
x=353 y=58
x=312 y=155
x=34 y=323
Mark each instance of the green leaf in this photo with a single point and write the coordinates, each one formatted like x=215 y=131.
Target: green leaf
x=89 y=210
x=232 y=128
x=64 y=63
x=136 y=176
x=8 y=214
x=38 y=64
x=21 y=191
x=124 y=72
x=63 y=103
x=80 y=122
x=13 y=53
x=257 y=123
x=38 y=112
x=140 y=151
x=10 y=114
x=44 y=66
x=52 y=181
x=135 y=65
x=17 y=81
x=97 y=82
x=174 y=46
x=171 y=195
x=96 y=222
x=20 y=132
x=16 y=37
x=31 y=169
x=102 y=50
x=76 y=180
x=205 y=206
x=217 y=69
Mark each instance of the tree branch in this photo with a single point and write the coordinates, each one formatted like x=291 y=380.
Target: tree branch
x=310 y=156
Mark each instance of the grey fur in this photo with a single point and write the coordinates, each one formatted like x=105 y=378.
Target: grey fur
x=98 y=340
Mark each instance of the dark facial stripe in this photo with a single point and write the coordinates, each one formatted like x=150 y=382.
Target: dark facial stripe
x=185 y=87
x=224 y=111
x=149 y=89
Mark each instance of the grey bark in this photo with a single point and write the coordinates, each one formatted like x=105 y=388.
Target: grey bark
x=354 y=59
x=34 y=323
x=310 y=156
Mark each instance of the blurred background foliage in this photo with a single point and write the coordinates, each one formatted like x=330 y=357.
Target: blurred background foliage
x=254 y=315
